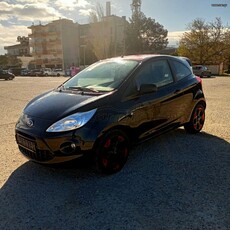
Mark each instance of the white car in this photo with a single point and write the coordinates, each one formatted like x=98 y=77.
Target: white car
x=47 y=72
x=58 y=72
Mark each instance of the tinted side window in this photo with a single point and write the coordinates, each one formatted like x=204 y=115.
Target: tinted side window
x=181 y=70
x=155 y=72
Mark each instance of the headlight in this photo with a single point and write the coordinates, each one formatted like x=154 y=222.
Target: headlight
x=72 y=122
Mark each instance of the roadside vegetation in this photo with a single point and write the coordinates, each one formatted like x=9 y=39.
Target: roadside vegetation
x=206 y=42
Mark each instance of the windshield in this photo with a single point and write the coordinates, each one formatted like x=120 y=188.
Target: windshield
x=102 y=76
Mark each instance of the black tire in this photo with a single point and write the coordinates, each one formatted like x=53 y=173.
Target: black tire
x=196 y=122
x=112 y=151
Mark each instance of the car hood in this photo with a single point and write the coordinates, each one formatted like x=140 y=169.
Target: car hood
x=55 y=105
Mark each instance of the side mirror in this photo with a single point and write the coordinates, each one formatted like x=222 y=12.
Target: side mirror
x=147 y=88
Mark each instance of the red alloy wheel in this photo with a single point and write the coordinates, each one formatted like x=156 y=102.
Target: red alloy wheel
x=197 y=121
x=113 y=152
x=198 y=118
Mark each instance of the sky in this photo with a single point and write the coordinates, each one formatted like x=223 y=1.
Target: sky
x=174 y=15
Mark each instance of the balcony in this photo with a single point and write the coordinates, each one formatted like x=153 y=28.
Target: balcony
x=54 y=42
x=50 y=33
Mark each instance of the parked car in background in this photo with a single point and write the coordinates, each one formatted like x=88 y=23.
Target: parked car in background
x=5 y=74
x=47 y=72
x=35 y=72
x=105 y=108
x=43 y=72
x=201 y=71
x=58 y=72
x=16 y=71
x=24 y=72
x=67 y=72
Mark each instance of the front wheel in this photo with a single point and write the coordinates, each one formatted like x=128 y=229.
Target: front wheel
x=112 y=152
x=196 y=122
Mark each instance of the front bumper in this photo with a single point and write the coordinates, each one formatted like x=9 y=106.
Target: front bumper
x=56 y=149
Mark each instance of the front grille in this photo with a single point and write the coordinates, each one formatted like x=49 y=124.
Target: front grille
x=26 y=136
x=28 y=146
x=39 y=155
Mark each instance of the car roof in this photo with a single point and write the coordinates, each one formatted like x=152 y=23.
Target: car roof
x=143 y=57
x=198 y=65
x=186 y=59
x=139 y=57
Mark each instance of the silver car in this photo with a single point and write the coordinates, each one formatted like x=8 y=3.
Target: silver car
x=201 y=71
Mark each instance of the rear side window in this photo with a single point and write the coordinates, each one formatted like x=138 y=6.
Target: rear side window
x=181 y=70
x=197 y=67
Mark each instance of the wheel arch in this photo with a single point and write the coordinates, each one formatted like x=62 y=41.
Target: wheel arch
x=127 y=130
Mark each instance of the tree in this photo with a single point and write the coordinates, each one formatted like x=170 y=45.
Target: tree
x=144 y=35
x=97 y=14
x=98 y=36
x=7 y=61
x=3 y=61
x=226 y=52
x=205 y=42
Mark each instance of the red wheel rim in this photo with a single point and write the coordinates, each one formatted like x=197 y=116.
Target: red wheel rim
x=198 y=118
x=114 y=152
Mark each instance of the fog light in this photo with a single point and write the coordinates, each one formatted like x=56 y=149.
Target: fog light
x=73 y=146
x=68 y=148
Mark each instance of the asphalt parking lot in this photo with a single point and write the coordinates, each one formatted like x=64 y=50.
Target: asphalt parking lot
x=175 y=181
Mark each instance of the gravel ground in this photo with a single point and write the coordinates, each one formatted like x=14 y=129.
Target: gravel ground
x=175 y=181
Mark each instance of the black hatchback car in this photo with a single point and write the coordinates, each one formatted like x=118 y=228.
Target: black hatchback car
x=4 y=74
x=110 y=105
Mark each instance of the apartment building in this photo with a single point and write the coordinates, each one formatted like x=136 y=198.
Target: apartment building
x=21 y=49
x=55 y=45
x=62 y=42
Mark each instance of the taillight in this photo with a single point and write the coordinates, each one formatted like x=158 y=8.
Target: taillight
x=199 y=79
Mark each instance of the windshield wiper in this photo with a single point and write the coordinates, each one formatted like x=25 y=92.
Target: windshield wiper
x=83 y=89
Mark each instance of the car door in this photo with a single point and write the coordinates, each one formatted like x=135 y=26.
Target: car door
x=152 y=111
x=184 y=89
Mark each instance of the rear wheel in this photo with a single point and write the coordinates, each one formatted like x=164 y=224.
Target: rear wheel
x=112 y=152
x=196 y=122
